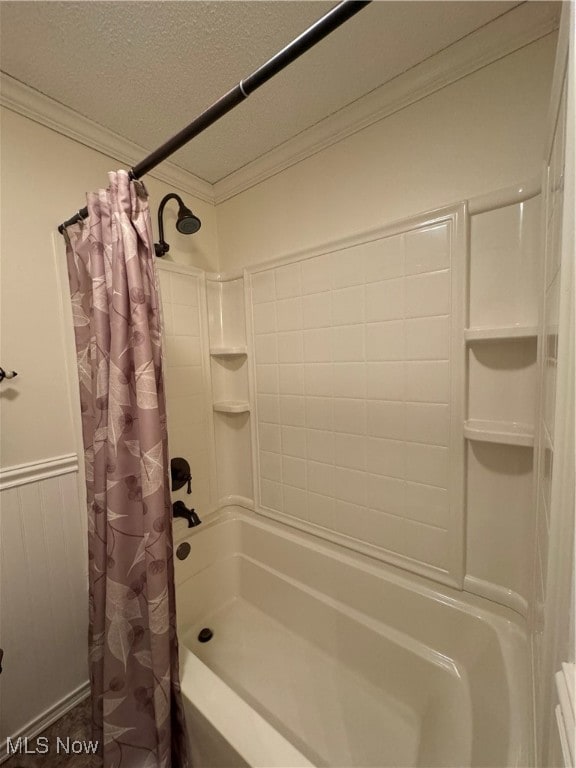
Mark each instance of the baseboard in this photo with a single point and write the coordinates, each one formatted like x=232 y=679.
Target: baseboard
x=47 y=718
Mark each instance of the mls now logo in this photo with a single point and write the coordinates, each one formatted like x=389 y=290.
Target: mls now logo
x=41 y=746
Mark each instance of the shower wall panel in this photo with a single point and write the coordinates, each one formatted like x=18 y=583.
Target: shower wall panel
x=358 y=379
x=187 y=387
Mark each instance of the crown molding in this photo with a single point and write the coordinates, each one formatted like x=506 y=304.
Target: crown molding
x=30 y=103
x=508 y=33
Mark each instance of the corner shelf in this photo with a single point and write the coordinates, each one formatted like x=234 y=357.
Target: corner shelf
x=231 y=406
x=502 y=432
x=501 y=333
x=228 y=351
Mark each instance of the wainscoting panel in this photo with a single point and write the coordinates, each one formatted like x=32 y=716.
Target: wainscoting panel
x=43 y=595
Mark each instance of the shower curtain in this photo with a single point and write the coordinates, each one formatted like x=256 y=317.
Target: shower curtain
x=137 y=712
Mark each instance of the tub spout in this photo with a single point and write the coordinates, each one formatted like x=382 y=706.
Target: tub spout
x=179 y=510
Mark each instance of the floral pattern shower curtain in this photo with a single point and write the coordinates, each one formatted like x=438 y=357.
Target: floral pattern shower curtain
x=133 y=650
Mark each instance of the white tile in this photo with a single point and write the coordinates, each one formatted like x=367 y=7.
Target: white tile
x=267 y=379
x=319 y=413
x=263 y=287
x=384 y=258
x=271 y=495
x=383 y=530
x=266 y=348
x=184 y=289
x=168 y=318
x=428 y=294
x=264 y=316
x=164 y=278
x=349 y=380
x=427 y=504
x=427 y=382
x=317 y=345
x=427 y=544
x=186 y=320
x=268 y=408
x=350 y=416
x=385 y=300
x=320 y=510
x=427 y=250
x=292 y=411
x=294 y=442
x=347 y=518
x=319 y=379
x=385 y=381
x=387 y=494
x=320 y=446
x=317 y=310
x=350 y=451
x=321 y=478
x=428 y=423
x=348 y=306
x=350 y=485
x=386 y=419
x=183 y=350
x=386 y=457
x=427 y=338
x=348 y=343
x=385 y=341
x=291 y=379
x=317 y=274
x=269 y=437
x=288 y=281
x=184 y=381
x=347 y=267
x=290 y=347
x=427 y=464
x=295 y=502
x=289 y=314
x=271 y=466
x=294 y=471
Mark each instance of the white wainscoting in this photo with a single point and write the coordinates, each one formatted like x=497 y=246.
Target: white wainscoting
x=43 y=595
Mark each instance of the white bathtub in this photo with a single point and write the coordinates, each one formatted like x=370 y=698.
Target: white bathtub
x=323 y=657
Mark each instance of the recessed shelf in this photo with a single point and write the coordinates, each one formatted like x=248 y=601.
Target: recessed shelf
x=503 y=432
x=228 y=351
x=501 y=333
x=231 y=406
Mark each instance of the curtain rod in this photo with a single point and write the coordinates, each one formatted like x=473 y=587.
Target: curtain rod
x=314 y=34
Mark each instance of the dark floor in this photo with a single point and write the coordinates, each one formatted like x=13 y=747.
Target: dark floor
x=74 y=725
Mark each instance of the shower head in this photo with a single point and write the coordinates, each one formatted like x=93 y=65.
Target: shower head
x=187 y=223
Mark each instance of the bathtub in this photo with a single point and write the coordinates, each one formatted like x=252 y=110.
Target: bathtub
x=322 y=657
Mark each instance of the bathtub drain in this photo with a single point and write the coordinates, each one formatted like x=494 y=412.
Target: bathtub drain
x=205 y=634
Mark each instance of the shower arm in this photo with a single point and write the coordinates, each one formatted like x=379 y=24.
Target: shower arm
x=314 y=34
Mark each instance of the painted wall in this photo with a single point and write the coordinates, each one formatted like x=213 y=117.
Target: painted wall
x=480 y=134
x=45 y=177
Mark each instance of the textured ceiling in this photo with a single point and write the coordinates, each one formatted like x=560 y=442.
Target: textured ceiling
x=146 y=69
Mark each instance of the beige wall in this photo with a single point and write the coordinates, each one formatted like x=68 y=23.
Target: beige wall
x=479 y=134
x=44 y=180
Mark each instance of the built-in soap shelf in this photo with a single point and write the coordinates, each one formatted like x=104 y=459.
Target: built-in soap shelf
x=500 y=333
x=231 y=406
x=228 y=351
x=502 y=432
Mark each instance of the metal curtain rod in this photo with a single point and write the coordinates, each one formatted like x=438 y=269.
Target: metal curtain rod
x=318 y=31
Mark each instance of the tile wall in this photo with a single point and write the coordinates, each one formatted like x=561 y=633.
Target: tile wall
x=188 y=414
x=353 y=388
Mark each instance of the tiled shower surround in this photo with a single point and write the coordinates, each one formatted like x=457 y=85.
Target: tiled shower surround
x=354 y=360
